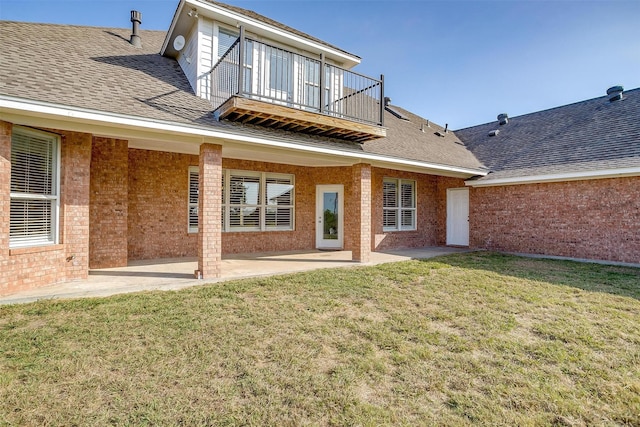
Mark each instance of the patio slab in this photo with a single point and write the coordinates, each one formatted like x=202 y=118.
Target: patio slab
x=178 y=273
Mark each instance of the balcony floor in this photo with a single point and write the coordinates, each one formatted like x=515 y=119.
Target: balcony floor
x=276 y=116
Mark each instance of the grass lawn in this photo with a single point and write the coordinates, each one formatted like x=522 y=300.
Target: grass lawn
x=463 y=339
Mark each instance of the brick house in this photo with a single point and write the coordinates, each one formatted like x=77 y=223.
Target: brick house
x=233 y=133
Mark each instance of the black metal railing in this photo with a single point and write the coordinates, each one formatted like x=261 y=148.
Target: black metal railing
x=271 y=74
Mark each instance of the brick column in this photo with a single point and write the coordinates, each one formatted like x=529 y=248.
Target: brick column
x=209 y=211
x=361 y=184
x=74 y=203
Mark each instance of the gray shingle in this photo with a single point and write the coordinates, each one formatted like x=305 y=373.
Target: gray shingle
x=585 y=136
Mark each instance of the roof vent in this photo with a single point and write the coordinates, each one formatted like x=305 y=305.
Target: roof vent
x=442 y=134
x=136 y=20
x=503 y=119
x=615 y=93
x=494 y=132
x=387 y=101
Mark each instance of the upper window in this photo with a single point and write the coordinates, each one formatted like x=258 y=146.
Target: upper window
x=399 y=204
x=226 y=38
x=34 y=188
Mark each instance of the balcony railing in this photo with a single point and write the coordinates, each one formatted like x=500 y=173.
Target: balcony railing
x=273 y=75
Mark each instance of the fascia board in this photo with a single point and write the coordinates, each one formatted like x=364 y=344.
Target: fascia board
x=205 y=134
x=172 y=26
x=264 y=27
x=560 y=177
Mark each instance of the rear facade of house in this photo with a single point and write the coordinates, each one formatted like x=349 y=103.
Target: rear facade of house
x=229 y=134
x=232 y=133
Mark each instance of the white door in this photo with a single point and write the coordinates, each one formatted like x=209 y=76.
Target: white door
x=329 y=216
x=458 y=216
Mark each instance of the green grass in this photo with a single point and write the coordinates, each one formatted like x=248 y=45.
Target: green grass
x=464 y=339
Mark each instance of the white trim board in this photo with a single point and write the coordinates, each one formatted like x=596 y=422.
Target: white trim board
x=559 y=177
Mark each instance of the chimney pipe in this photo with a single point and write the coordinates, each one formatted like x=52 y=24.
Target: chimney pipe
x=136 y=20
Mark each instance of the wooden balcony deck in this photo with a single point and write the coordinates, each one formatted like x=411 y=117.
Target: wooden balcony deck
x=272 y=115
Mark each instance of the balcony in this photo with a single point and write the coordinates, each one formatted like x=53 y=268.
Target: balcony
x=279 y=89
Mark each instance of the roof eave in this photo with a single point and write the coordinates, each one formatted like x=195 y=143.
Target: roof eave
x=559 y=177
x=38 y=109
x=348 y=60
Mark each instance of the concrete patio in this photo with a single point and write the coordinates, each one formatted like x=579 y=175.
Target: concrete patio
x=178 y=273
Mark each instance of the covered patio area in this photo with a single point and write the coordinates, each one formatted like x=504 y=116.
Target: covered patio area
x=178 y=273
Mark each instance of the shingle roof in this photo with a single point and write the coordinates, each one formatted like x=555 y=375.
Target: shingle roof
x=585 y=136
x=97 y=69
x=406 y=139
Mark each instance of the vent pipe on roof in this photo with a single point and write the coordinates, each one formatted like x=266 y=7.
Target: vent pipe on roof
x=503 y=118
x=387 y=101
x=136 y=20
x=615 y=93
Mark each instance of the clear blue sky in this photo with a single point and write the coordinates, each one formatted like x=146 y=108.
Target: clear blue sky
x=455 y=62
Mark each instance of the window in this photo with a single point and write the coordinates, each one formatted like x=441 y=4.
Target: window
x=280 y=71
x=251 y=201
x=193 y=199
x=226 y=38
x=34 y=188
x=399 y=204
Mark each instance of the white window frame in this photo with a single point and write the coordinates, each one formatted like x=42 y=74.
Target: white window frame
x=398 y=208
x=192 y=169
x=263 y=203
x=54 y=196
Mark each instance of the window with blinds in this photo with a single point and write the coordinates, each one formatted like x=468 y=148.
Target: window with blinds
x=398 y=204
x=193 y=199
x=251 y=201
x=34 y=188
x=244 y=201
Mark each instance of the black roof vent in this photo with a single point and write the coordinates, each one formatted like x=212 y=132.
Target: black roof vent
x=494 y=132
x=615 y=93
x=503 y=119
x=136 y=20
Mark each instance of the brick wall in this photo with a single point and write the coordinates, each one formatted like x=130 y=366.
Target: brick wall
x=26 y=268
x=108 y=203
x=304 y=235
x=427 y=205
x=157 y=222
x=597 y=219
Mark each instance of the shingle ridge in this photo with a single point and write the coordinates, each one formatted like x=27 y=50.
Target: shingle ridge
x=546 y=110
